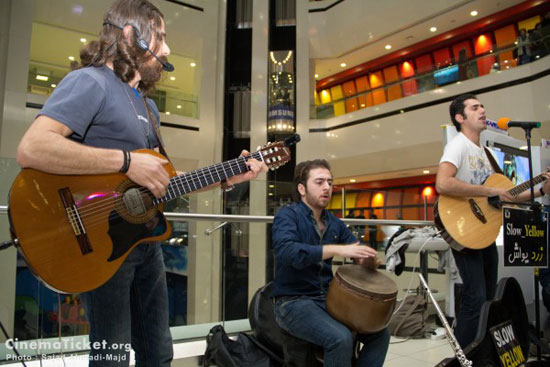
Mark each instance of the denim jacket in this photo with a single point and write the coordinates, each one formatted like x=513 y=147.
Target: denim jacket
x=299 y=268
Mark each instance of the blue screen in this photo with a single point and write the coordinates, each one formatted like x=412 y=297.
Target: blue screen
x=513 y=163
x=446 y=76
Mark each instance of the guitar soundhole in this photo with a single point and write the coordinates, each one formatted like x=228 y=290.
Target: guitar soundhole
x=135 y=204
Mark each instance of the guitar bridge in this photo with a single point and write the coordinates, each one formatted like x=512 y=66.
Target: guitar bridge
x=75 y=220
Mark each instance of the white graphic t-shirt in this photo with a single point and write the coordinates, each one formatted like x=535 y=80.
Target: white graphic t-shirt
x=471 y=162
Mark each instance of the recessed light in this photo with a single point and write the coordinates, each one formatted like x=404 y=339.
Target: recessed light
x=53 y=85
x=433 y=29
x=316 y=76
x=352 y=180
x=167 y=112
x=178 y=107
x=172 y=78
x=193 y=64
x=44 y=78
x=83 y=40
x=343 y=65
x=426 y=171
x=473 y=13
x=71 y=58
x=388 y=47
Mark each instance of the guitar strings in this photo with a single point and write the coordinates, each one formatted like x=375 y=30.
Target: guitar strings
x=87 y=211
x=177 y=181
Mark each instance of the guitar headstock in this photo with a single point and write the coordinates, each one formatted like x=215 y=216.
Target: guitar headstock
x=278 y=153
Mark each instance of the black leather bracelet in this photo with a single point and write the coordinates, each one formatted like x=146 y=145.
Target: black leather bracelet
x=126 y=163
x=541 y=192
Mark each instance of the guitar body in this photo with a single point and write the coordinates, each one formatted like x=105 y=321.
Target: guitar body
x=470 y=222
x=75 y=231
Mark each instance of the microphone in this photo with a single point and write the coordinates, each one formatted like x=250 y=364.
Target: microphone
x=166 y=66
x=505 y=123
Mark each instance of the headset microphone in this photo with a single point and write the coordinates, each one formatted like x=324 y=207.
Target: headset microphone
x=166 y=66
x=504 y=123
x=142 y=44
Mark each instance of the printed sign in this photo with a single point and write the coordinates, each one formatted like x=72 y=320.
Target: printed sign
x=525 y=238
x=507 y=346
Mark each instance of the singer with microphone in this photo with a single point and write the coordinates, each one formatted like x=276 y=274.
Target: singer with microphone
x=92 y=124
x=463 y=168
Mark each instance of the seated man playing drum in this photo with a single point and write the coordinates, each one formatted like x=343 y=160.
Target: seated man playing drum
x=305 y=238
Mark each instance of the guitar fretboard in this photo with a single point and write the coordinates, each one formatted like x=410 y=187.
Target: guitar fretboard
x=197 y=179
x=525 y=186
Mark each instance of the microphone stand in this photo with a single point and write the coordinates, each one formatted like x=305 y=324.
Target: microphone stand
x=536 y=208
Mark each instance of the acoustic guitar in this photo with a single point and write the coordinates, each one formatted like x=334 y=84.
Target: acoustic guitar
x=474 y=222
x=75 y=231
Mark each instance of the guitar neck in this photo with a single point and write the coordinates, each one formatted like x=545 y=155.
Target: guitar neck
x=525 y=186
x=202 y=177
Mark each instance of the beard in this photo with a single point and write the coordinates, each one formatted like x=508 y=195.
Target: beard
x=150 y=71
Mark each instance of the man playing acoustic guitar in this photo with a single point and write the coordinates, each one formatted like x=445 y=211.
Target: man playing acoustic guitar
x=463 y=169
x=94 y=120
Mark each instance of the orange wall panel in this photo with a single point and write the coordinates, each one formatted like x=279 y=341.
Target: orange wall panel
x=482 y=45
x=407 y=69
x=390 y=74
x=378 y=96
x=351 y=105
x=394 y=92
x=362 y=84
x=376 y=79
x=506 y=36
x=442 y=58
x=459 y=46
x=365 y=100
x=349 y=88
x=409 y=87
x=424 y=64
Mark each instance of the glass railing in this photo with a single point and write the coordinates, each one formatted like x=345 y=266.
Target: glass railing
x=496 y=61
x=214 y=264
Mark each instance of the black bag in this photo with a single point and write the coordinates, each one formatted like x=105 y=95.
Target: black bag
x=243 y=352
x=409 y=320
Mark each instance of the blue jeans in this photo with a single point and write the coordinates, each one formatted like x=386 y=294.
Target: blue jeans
x=478 y=270
x=307 y=318
x=131 y=309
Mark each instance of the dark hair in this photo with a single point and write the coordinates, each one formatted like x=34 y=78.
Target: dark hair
x=127 y=58
x=301 y=174
x=457 y=107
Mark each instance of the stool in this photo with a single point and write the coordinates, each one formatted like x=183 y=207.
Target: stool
x=296 y=352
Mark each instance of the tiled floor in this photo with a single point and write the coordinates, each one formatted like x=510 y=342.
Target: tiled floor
x=409 y=353
x=417 y=352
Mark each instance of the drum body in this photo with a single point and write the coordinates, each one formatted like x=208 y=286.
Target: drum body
x=361 y=299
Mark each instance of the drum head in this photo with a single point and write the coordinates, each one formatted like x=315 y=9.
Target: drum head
x=367 y=281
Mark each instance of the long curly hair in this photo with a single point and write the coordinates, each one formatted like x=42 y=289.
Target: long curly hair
x=127 y=58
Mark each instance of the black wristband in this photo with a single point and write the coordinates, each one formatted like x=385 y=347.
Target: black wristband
x=541 y=192
x=126 y=163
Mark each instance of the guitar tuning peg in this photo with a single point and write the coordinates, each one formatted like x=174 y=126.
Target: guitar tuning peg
x=268 y=160
x=276 y=149
x=259 y=147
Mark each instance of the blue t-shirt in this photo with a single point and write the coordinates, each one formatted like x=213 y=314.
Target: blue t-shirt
x=102 y=110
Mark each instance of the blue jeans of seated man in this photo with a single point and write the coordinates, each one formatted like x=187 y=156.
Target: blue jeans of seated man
x=307 y=318
x=131 y=309
x=478 y=270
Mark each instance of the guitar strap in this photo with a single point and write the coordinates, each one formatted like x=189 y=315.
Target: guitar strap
x=494 y=163
x=156 y=130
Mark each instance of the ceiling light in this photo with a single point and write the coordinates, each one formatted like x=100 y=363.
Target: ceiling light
x=523 y=147
x=83 y=40
x=426 y=171
x=343 y=65
x=433 y=29
x=388 y=47
x=71 y=58
x=53 y=85
x=172 y=78
x=193 y=64
x=473 y=13
x=316 y=76
x=352 y=180
x=42 y=77
x=167 y=112
x=178 y=107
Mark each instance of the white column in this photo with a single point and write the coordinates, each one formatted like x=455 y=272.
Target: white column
x=15 y=40
x=258 y=136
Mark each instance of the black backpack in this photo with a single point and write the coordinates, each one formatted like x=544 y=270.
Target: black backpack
x=245 y=351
